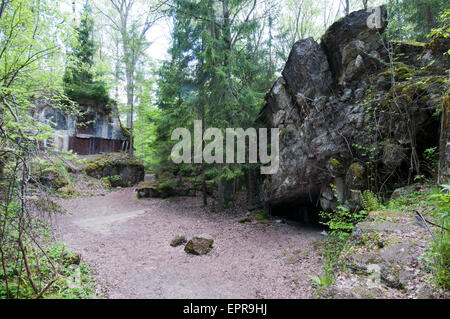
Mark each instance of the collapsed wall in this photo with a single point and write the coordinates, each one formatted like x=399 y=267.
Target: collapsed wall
x=351 y=117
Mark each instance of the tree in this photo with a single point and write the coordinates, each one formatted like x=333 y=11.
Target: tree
x=217 y=74
x=29 y=59
x=79 y=82
x=132 y=28
x=414 y=19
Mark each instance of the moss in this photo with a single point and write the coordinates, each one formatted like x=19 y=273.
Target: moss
x=145 y=184
x=446 y=106
x=67 y=191
x=355 y=177
x=244 y=220
x=412 y=43
x=106 y=181
x=402 y=72
x=100 y=162
x=125 y=131
x=50 y=176
x=334 y=162
x=261 y=215
x=370 y=240
x=421 y=85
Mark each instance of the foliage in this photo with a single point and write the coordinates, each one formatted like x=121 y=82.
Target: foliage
x=370 y=201
x=56 y=276
x=415 y=19
x=342 y=220
x=436 y=202
x=79 y=82
x=440 y=250
x=217 y=73
x=30 y=69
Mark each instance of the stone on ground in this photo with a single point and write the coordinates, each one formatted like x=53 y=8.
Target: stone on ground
x=199 y=245
x=178 y=240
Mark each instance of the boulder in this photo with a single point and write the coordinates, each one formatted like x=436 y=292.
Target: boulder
x=52 y=178
x=356 y=177
x=199 y=245
x=164 y=189
x=307 y=70
x=352 y=47
x=178 y=240
x=360 y=129
x=120 y=169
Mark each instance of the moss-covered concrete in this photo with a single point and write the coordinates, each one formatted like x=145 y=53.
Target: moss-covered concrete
x=121 y=169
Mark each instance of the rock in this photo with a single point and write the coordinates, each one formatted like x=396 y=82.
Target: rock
x=147 y=189
x=52 y=178
x=347 y=95
x=327 y=139
x=178 y=240
x=346 y=41
x=402 y=191
x=164 y=189
x=434 y=57
x=393 y=155
x=307 y=70
x=244 y=220
x=408 y=52
x=76 y=259
x=199 y=245
x=359 y=93
x=444 y=144
x=356 y=177
x=381 y=248
x=121 y=169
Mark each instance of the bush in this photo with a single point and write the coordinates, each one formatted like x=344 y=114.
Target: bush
x=440 y=249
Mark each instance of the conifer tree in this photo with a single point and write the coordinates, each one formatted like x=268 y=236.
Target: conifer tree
x=79 y=78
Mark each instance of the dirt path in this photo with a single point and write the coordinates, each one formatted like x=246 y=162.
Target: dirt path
x=127 y=242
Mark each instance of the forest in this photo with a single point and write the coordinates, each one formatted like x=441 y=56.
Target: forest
x=99 y=99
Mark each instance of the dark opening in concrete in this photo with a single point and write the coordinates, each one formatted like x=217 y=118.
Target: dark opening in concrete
x=297 y=210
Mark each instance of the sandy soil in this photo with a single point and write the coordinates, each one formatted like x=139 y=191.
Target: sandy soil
x=127 y=242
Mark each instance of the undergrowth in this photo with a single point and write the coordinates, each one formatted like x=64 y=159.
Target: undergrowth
x=341 y=222
x=428 y=199
x=50 y=269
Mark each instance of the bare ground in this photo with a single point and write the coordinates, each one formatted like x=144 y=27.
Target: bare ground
x=127 y=242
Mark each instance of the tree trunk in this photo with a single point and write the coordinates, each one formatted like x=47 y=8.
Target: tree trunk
x=130 y=104
x=252 y=189
x=270 y=47
x=429 y=17
x=365 y=4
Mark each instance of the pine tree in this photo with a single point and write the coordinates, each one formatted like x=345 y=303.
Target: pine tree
x=218 y=74
x=79 y=82
x=414 y=19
